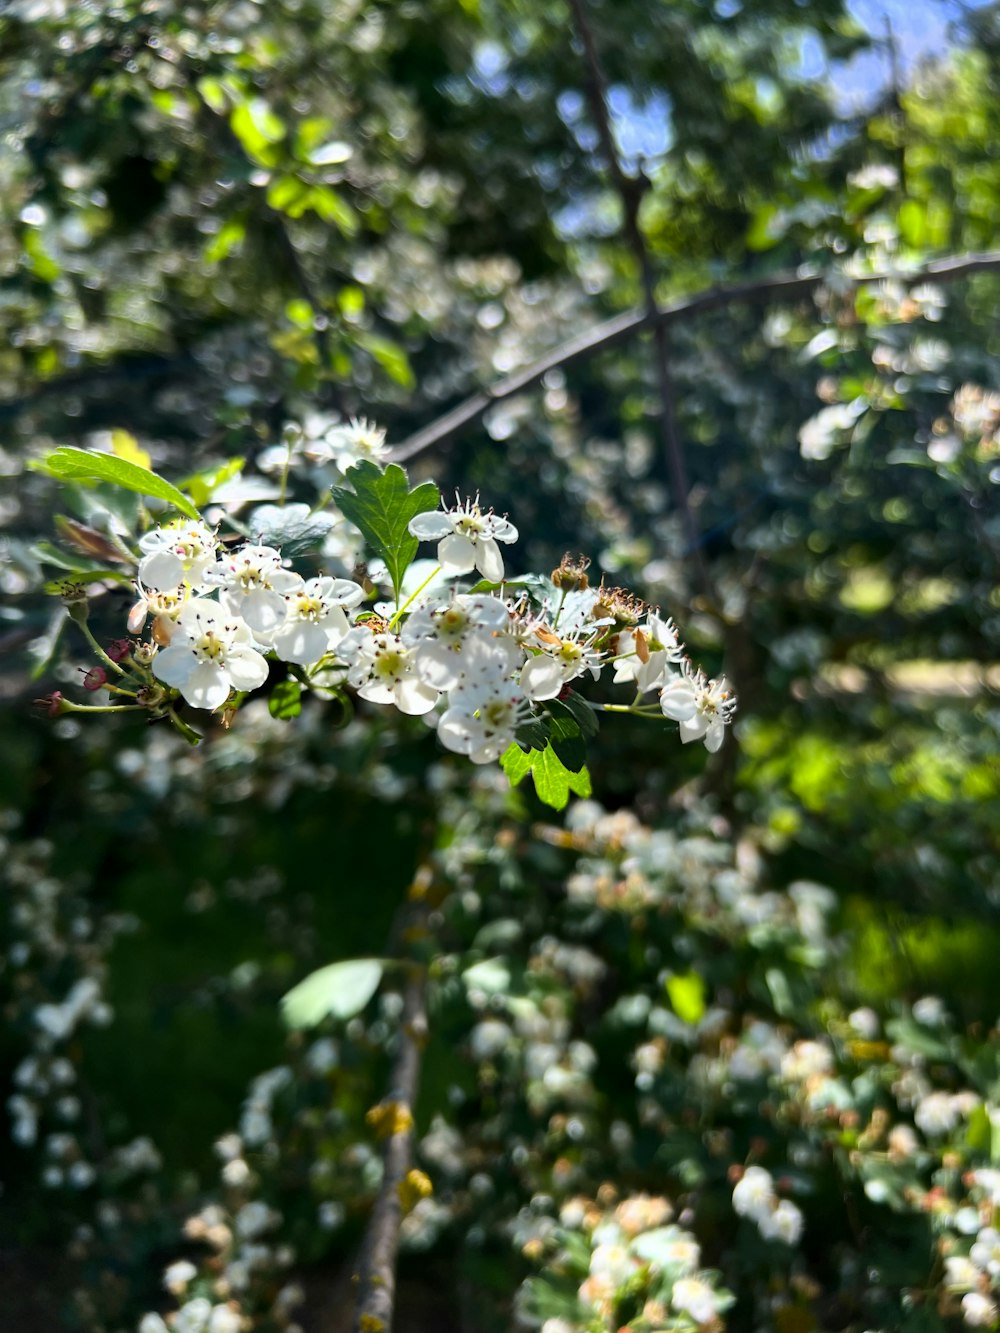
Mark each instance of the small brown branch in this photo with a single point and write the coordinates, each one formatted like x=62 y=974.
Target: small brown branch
x=621 y=328
x=630 y=190
x=393 y=1120
x=376 y=1275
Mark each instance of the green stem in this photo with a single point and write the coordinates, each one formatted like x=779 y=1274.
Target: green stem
x=413 y=596
x=69 y=707
x=562 y=600
x=108 y=662
x=189 y=733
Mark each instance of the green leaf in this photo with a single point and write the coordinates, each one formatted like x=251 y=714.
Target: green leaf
x=390 y=357
x=294 y=528
x=381 y=504
x=286 y=700
x=201 y=486
x=687 y=995
x=339 y=990
x=585 y=717
x=70 y=464
x=534 y=734
x=553 y=780
x=566 y=738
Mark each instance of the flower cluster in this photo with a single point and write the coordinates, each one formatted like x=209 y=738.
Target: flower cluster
x=487 y=665
x=632 y=1256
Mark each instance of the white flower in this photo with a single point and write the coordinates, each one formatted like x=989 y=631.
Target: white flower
x=224 y=1319
x=985 y=1254
x=178 y=1275
x=463 y=637
x=254 y=585
x=181 y=551
x=645 y=653
x=346 y=445
x=961 y=1274
x=383 y=670
x=936 y=1114
x=930 y=1011
x=482 y=725
x=753 y=1194
x=784 y=1223
x=165 y=604
x=194 y=1316
x=314 y=619
x=152 y=1323
x=468 y=538
x=978 y=1310
x=560 y=661
x=208 y=655
x=703 y=707
x=695 y=1298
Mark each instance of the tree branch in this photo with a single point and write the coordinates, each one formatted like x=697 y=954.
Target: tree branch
x=619 y=329
x=630 y=191
x=393 y=1119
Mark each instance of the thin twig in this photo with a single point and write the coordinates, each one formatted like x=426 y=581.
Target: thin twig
x=620 y=328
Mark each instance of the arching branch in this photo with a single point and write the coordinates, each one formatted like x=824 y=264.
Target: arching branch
x=619 y=329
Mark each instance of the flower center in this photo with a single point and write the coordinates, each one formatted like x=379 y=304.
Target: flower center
x=309 y=608
x=210 y=648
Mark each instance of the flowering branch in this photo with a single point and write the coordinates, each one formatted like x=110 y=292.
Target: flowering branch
x=620 y=328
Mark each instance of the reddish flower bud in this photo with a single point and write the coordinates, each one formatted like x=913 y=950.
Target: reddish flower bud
x=95 y=679
x=52 y=703
x=119 y=649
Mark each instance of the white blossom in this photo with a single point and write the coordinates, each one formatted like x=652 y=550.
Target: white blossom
x=694 y=1297
x=254 y=585
x=978 y=1310
x=383 y=670
x=753 y=1193
x=180 y=552
x=467 y=538
x=208 y=655
x=703 y=707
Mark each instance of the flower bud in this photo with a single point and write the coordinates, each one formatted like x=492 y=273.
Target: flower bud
x=54 y=704
x=95 y=679
x=119 y=649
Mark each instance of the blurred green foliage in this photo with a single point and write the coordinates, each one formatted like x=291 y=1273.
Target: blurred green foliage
x=218 y=218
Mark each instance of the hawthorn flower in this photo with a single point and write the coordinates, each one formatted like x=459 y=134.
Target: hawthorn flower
x=466 y=633
x=703 y=707
x=468 y=538
x=560 y=661
x=209 y=654
x=694 y=1297
x=483 y=726
x=254 y=585
x=346 y=445
x=753 y=1193
x=784 y=1223
x=978 y=1310
x=644 y=655
x=315 y=621
x=179 y=552
x=163 y=604
x=383 y=670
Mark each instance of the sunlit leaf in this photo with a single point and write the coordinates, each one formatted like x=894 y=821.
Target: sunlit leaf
x=381 y=505
x=70 y=464
x=339 y=990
